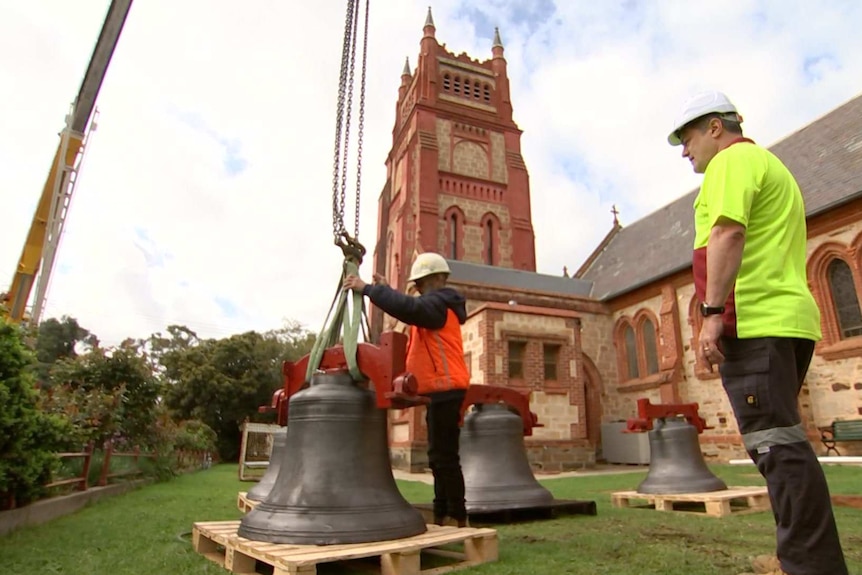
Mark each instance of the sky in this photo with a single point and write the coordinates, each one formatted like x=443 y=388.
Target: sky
x=205 y=195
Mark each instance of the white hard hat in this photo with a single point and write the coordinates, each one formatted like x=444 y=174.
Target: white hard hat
x=427 y=264
x=700 y=105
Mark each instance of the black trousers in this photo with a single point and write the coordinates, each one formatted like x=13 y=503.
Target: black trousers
x=762 y=378
x=443 y=457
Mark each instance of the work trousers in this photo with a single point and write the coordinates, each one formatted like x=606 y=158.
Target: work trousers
x=762 y=378
x=443 y=457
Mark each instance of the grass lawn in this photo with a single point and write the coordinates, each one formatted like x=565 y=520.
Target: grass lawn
x=147 y=532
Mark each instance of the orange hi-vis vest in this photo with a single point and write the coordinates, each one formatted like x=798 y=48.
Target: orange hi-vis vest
x=436 y=357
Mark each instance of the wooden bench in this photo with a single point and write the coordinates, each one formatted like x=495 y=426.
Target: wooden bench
x=841 y=430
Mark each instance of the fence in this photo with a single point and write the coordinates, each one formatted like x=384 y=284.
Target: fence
x=81 y=480
x=184 y=461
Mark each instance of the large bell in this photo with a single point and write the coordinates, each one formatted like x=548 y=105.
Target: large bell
x=676 y=462
x=337 y=485
x=497 y=475
x=264 y=486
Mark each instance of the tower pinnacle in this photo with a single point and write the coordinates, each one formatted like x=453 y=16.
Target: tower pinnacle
x=429 y=28
x=498 y=43
x=429 y=19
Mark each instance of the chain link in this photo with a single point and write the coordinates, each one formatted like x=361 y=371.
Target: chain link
x=338 y=202
x=361 y=121
x=344 y=116
x=348 y=113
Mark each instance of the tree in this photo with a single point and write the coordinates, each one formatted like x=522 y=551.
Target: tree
x=56 y=340
x=223 y=382
x=109 y=393
x=28 y=437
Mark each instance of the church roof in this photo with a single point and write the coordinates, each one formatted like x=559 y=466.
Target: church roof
x=517 y=279
x=826 y=158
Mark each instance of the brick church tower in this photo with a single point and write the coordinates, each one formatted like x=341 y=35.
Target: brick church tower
x=456 y=182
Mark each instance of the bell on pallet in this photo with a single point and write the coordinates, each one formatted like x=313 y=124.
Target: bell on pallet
x=497 y=475
x=264 y=486
x=676 y=462
x=337 y=485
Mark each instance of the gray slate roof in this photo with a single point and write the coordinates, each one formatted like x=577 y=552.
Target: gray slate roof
x=518 y=279
x=826 y=158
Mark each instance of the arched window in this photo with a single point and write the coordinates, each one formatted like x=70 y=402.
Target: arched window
x=490 y=245
x=477 y=90
x=390 y=261
x=467 y=87
x=650 y=347
x=487 y=92
x=447 y=82
x=453 y=246
x=489 y=242
x=457 y=88
x=835 y=280
x=453 y=236
x=844 y=297
x=636 y=340
x=631 y=351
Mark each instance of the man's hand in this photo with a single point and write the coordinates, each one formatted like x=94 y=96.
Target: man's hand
x=380 y=280
x=707 y=345
x=354 y=283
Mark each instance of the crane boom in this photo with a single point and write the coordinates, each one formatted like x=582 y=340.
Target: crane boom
x=46 y=227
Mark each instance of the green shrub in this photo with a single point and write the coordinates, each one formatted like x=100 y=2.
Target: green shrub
x=28 y=438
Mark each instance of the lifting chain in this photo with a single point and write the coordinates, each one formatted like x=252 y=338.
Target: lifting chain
x=343 y=120
x=346 y=325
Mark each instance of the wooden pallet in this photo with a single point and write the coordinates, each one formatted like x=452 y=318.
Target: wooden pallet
x=219 y=542
x=243 y=503
x=733 y=500
x=557 y=508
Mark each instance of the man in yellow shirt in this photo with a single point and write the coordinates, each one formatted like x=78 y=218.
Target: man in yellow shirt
x=760 y=320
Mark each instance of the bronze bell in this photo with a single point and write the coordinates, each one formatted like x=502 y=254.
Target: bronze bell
x=497 y=475
x=337 y=486
x=264 y=486
x=676 y=462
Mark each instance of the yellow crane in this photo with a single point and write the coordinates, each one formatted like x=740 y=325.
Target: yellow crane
x=40 y=248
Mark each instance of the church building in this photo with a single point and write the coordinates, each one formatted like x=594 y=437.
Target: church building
x=587 y=347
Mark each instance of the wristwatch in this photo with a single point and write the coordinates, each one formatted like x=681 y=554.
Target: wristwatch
x=707 y=310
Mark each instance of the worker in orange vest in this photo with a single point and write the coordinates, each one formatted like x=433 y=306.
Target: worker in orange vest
x=435 y=356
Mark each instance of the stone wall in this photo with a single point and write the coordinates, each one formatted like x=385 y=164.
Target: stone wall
x=444 y=142
x=470 y=159
x=472 y=232
x=474 y=352
x=598 y=345
x=499 y=173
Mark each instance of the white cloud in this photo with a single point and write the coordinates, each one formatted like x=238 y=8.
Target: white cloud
x=199 y=83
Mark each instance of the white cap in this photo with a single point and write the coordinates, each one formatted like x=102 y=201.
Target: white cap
x=427 y=264
x=700 y=105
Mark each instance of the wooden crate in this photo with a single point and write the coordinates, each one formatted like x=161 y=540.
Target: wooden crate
x=733 y=500
x=219 y=542
x=243 y=503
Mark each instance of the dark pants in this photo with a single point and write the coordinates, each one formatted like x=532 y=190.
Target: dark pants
x=443 y=458
x=762 y=378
